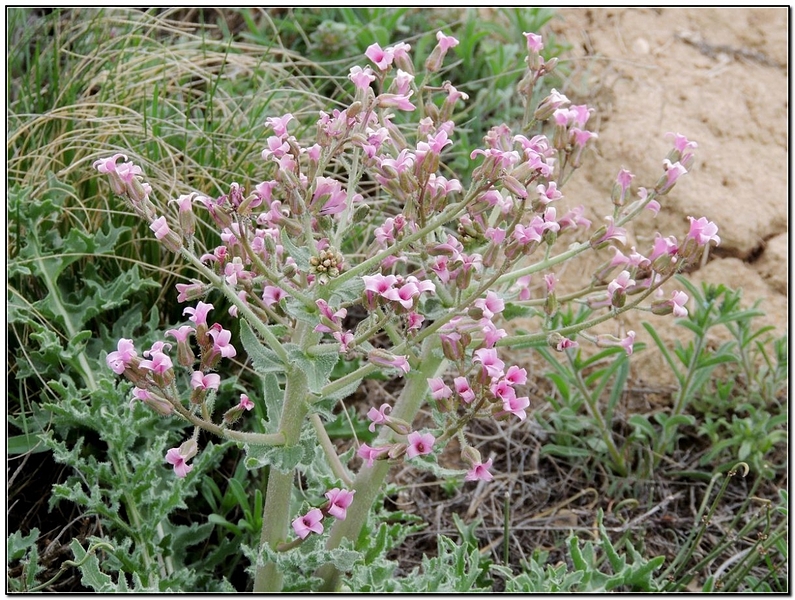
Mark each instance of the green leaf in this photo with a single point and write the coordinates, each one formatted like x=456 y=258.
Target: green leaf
x=93 y=577
x=300 y=254
x=262 y=358
x=643 y=427
x=317 y=368
x=566 y=451
x=18 y=545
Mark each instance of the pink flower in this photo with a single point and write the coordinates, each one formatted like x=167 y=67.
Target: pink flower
x=535 y=42
x=703 y=231
x=108 y=165
x=339 y=501
x=463 y=389
x=548 y=194
x=673 y=171
x=361 y=78
x=181 y=467
x=581 y=136
x=574 y=218
x=370 y=454
x=159 y=363
x=378 y=416
x=491 y=305
x=678 y=301
x=279 y=124
x=480 y=471
x=245 y=402
x=565 y=343
x=272 y=294
x=383 y=360
x=628 y=342
x=502 y=390
x=446 y=41
x=415 y=321
x=439 y=389
x=345 y=339
x=620 y=283
x=379 y=284
x=515 y=375
x=675 y=304
x=200 y=381
x=381 y=57
x=399 y=101
x=181 y=334
x=189 y=291
x=525 y=235
x=491 y=363
x=311 y=522
x=491 y=334
x=198 y=314
x=160 y=227
x=611 y=232
x=663 y=245
x=120 y=359
x=516 y=405
x=221 y=338
x=419 y=444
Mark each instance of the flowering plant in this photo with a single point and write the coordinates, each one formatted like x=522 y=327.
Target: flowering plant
x=368 y=218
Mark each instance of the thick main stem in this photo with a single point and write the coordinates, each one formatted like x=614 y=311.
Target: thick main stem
x=276 y=512
x=370 y=479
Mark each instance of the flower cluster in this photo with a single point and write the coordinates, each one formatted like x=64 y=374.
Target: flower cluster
x=337 y=506
x=317 y=272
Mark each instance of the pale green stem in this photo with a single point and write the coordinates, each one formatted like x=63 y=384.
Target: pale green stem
x=255 y=439
x=369 y=480
x=330 y=451
x=276 y=512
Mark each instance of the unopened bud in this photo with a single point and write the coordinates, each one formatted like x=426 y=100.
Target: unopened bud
x=159 y=404
x=188 y=449
x=514 y=186
x=136 y=190
x=396 y=451
x=619 y=299
x=662 y=307
x=551 y=304
x=399 y=426
x=475 y=313
x=549 y=66
x=354 y=109
x=471 y=455
x=233 y=414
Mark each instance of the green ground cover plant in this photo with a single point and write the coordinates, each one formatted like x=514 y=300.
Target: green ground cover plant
x=269 y=369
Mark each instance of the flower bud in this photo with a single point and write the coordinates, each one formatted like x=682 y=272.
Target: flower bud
x=396 y=451
x=233 y=414
x=549 y=66
x=619 y=298
x=471 y=455
x=189 y=449
x=514 y=186
x=399 y=426
x=551 y=304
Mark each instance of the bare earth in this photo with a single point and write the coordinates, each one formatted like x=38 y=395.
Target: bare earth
x=719 y=77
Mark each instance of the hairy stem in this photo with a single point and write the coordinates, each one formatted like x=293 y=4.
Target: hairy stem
x=369 y=480
x=276 y=512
